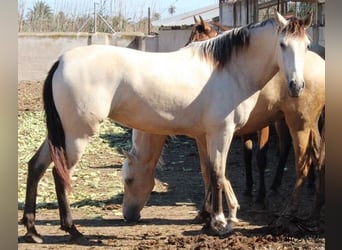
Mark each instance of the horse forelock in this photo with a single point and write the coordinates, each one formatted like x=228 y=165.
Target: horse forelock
x=295 y=27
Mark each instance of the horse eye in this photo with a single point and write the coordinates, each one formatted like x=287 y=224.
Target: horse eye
x=129 y=181
x=282 y=45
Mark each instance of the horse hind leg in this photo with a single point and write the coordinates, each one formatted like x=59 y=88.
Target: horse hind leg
x=320 y=184
x=247 y=153
x=284 y=146
x=263 y=139
x=74 y=150
x=301 y=144
x=36 y=169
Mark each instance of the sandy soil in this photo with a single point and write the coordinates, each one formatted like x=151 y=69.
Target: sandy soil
x=167 y=219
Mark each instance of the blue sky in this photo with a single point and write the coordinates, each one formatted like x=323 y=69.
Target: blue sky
x=134 y=9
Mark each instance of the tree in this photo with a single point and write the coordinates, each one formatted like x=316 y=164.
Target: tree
x=39 y=16
x=40 y=10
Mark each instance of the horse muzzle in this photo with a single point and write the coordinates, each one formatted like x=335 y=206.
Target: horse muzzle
x=295 y=88
x=131 y=214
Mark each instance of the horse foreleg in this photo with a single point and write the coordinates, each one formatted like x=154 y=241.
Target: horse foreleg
x=203 y=157
x=232 y=201
x=218 y=145
x=36 y=169
x=263 y=139
x=247 y=153
x=284 y=148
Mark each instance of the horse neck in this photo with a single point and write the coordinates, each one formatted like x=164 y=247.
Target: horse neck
x=258 y=62
x=148 y=147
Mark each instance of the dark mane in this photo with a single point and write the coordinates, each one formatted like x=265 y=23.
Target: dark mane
x=219 y=49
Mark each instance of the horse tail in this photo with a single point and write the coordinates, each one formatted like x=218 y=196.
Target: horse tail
x=56 y=136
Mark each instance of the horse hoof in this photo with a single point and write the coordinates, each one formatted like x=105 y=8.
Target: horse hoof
x=80 y=240
x=220 y=227
x=201 y=217
x=33 y=238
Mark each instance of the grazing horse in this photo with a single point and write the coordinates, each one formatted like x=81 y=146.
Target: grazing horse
x=273 y=105
x=147 y=147
x=202 y=31
x=206 y=90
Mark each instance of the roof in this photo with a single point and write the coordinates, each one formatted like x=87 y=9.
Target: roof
x=207 y=13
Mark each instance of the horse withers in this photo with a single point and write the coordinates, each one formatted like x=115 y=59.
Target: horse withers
x=206 y=91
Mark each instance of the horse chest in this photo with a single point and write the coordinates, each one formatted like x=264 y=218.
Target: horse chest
x=243 y=111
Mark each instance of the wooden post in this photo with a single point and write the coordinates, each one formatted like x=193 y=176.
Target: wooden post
x=149 y=21
x=94 y=17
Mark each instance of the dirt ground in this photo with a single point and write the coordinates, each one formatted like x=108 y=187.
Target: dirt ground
x=167 y=219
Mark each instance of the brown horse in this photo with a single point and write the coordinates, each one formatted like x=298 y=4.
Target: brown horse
x=203 y=30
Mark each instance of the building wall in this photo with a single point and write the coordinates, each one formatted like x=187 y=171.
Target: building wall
x=38 y=51
x=168 y=40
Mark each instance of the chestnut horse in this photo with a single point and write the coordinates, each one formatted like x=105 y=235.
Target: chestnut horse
x=203 y=30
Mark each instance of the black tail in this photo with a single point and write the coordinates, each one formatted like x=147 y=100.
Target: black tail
x=56 y=136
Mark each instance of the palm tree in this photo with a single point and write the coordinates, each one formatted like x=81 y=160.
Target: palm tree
x=40 y=16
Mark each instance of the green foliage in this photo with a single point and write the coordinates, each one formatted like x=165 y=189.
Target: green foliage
x=42 y=18
x=103 y=153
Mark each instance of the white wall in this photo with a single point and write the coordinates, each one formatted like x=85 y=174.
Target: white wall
x=38 y=51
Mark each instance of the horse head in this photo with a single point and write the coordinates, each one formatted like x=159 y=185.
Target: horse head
x=293 y=44
x=201 y=31
x=138 y=181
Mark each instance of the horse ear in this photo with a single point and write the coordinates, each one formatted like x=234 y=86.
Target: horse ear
x=202 y=22
x=308 y=19
x=130 y=157
x=279 y=18
x=196 y=20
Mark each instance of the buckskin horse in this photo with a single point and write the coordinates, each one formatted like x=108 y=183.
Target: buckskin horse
x=203 y=30
x=273 y=105
x=206 y=90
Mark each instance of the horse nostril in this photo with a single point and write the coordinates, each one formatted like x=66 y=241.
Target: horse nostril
x=292 y=83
